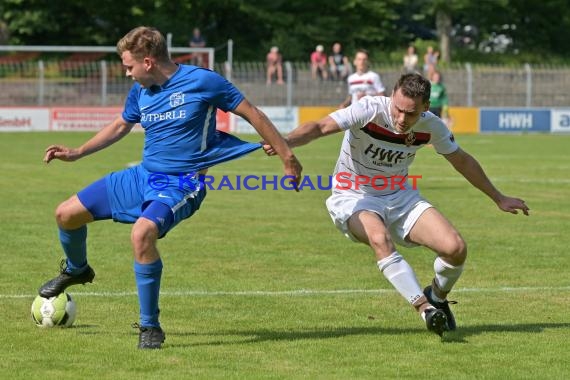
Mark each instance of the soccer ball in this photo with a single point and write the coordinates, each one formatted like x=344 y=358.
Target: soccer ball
x=54 y=311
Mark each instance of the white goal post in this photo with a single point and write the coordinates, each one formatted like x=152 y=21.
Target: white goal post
x=205 y=56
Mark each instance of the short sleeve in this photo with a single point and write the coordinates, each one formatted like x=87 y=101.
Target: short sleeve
x=220 y=92
x=131 y=112
x=442 y=139
x=356 y=115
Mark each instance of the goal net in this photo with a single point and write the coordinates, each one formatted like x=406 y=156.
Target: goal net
x=203 y=57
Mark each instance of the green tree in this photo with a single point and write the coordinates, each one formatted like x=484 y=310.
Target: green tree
x=296 y=26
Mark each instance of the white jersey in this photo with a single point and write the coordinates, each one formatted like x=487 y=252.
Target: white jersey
x=374 y=158
x=368 y=83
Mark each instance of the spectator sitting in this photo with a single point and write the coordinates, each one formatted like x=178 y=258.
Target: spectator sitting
x=274 y=65
x=319 y=63
x=197 y=41
x=338 y=63
x=410 y=60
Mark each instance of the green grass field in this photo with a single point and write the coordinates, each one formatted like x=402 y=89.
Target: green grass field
x=260 y=284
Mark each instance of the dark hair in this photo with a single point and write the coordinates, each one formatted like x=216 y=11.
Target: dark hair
x=142 y=42
x=414 y=85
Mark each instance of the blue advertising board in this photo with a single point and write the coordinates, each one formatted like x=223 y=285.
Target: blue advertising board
x=514 y=120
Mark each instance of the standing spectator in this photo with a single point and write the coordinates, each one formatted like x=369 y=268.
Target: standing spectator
x=319 y=63
x=363 y=82
x=411 y=60
x=338 y=63
x=197 y=41
x=430 y=61
x=274 y=62
x=438 y=97
x=4 y=33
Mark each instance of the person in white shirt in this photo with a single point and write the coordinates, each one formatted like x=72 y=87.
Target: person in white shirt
x=363 y=81
x=375 y=202
x=410 y=60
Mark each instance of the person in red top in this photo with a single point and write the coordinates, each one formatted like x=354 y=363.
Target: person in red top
x=274 y=65
x=319 y=63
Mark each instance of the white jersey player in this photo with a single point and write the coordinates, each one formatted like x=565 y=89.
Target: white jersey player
x=363 y=81
x=376 y=202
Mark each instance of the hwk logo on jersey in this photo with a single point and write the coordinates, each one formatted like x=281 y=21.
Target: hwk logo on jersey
x=382 y=156
x=176 y=99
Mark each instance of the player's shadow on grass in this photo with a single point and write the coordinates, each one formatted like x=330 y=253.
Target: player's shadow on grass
x=256 y=336
x=458 y=336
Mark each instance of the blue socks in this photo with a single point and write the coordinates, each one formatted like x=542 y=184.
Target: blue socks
x=147 y=277
x=74 y=244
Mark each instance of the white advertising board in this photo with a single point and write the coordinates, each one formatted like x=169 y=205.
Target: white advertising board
x=285 y=119
x=560 y=120
x=22 y=119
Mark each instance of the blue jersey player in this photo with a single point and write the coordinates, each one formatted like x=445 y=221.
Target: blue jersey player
x=176 y=105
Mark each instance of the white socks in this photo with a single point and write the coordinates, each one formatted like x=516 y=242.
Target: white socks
x=446 y=275
x=401 y=276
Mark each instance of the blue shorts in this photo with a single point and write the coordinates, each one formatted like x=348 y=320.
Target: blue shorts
x=126 y=195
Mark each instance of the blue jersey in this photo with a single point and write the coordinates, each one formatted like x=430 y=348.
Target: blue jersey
x=179 y=120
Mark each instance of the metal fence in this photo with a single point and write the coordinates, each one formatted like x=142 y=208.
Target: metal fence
x=103 y=83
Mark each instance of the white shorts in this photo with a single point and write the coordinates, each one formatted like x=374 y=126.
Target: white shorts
x=399 y=211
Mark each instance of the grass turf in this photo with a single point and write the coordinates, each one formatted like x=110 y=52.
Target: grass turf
x=259 y=284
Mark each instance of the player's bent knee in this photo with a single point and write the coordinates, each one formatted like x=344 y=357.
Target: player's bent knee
x=381 y=244
x=70 y=216
x=143 y=235
x=62 y=217
x=455 y=251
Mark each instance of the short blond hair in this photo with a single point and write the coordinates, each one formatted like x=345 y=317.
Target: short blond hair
x=144 y=41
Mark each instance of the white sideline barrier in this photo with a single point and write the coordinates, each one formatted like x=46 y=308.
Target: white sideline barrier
x=284 y=118
x=82 y=119
x=92 y=119
x=24 y=119
x=27 y=119
x=560 y=120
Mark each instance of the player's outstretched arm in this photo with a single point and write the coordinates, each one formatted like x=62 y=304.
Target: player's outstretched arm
x=110 y=134
x=269 y=133
x=307 y=132
x=468 y=166
x=312 y=130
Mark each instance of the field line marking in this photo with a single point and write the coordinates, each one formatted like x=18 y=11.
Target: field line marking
x=299 y=292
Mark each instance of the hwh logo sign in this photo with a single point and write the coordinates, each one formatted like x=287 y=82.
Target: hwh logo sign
x=515 y=120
